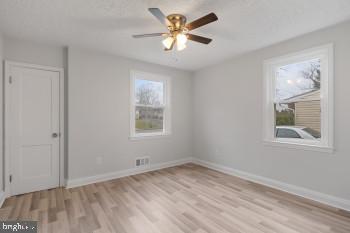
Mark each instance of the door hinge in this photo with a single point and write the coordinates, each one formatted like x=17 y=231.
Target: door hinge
x=10 y=178
x=10 y=79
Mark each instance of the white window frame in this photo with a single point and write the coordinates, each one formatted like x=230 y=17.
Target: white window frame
x=167 y=109
x=326 y=54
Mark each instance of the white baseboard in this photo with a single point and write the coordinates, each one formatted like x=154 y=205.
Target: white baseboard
x=128 y=172
x=333 y=201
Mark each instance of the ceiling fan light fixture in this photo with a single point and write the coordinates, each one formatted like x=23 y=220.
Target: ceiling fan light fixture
x=179 y=29
x=167 y=42
x=180 y=46
x=181 y=38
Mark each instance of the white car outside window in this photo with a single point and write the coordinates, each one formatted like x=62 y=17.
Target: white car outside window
x=296 y=132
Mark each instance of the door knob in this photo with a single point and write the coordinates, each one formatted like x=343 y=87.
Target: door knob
x=55 y=135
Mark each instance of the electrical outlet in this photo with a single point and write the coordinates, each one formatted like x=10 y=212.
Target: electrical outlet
x=218 y=152
x=99 y=160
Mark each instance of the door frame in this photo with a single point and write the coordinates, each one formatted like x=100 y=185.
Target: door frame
x=7 y=132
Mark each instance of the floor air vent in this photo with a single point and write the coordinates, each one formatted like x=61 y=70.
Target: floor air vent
x=142 y=162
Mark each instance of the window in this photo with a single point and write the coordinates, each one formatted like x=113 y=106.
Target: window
x=150 y=109
x=298 y=99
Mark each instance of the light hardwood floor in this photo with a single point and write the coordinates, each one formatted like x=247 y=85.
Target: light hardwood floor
x=186 y=198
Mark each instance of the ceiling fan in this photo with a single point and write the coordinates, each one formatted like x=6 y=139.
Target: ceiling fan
x=178 y=29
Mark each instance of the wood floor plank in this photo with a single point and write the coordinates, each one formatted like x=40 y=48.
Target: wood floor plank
x=182 y=199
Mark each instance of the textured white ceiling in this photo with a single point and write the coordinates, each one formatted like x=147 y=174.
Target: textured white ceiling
x=107 y=25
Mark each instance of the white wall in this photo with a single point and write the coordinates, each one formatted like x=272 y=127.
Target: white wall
x=99 y=115
x=1 y=110
x=34 y=52
x=228 y=118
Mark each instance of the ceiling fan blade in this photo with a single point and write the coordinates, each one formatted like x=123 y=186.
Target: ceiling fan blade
x=149 y=35
x=200 y=39
x=171 y=47
x=202 y=21
x=160 y=16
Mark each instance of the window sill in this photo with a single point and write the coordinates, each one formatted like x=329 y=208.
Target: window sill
x=149 y=136
x=300 y=146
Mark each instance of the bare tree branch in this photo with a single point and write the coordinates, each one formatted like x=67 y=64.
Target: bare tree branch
x=313 y=73
x=147 y=95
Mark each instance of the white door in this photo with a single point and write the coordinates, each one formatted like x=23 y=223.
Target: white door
x=34 y=129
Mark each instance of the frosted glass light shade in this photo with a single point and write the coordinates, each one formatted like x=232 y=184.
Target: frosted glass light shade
x=168 y=42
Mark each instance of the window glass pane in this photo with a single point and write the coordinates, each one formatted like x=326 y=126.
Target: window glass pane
x=314 y=133
x=149 y=119
x=297 y=99
x=149 y=92
x=287 y=133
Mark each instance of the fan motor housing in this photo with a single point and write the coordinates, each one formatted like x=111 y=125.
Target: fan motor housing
x=178 y=20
